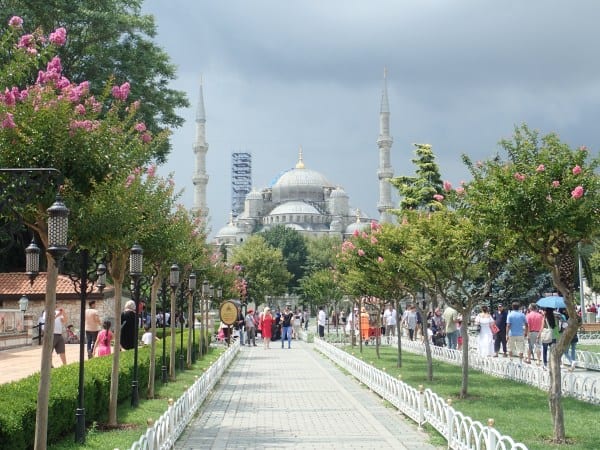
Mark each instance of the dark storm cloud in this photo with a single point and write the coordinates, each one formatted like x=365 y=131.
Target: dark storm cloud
x=461 y=74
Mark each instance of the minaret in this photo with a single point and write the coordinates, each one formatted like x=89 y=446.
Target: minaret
x=200 y=178
x=385 y=172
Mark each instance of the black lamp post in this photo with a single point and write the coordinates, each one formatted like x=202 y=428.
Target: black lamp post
x=181 y=321
x=174 y=282
x=191 y=353
x=203 y=313
x=163 y=298
x=136 y=261
x=83 y=282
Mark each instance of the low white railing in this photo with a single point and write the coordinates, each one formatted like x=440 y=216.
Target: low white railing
x=574 y=384
x=162 y=434
x=423 y=405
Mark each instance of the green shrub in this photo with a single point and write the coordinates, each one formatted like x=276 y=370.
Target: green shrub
x=18 y=400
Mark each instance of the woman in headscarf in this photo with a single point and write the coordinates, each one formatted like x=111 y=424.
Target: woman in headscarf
x=128 y=318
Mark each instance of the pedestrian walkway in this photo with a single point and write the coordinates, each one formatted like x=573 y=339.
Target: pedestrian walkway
x=295 y=398
x=21 y=362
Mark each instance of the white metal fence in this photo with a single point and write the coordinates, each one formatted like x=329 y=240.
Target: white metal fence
x=162 y=434
x=583 y=386
x=423 y=405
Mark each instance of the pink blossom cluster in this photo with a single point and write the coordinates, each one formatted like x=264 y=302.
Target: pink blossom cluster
x=375 y=227
x=15 y=22
x=361 y=252
x=8 y=121
x=121 y=92
x=577 y=192
x=347 y=246
x=11 y=96
x=519 y=176
x=438 y=197
x=151 y=170
x=58 y=37
x=87 y=125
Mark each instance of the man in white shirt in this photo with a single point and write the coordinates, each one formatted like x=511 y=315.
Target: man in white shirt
x=389 y=319
x=321 y=319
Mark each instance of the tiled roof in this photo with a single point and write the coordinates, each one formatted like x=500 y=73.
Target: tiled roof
x=17 y=283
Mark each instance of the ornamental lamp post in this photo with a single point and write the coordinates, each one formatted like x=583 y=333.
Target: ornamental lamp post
x=174 y=282
x=181 y=322
x=163 y=297
x=136 y=261
x=191 y=351
x=83 y=284
x=203 y=313
x=32 y=261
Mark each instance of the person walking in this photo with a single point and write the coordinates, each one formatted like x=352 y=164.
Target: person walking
x=516 y=328
x=266 y=326
x=549 y=322
x=535 y=323
x=500 y=337
x=485 y=340
x=305 y=318
x=93 y=325
x=297 y=324
x=450 y=317
x=389 y=319
x=286 y=326
x=128 y=337
x=364 y=325
x=58 y=340
x=102 y=345
x=321 y=321
x=410 y=321
x=250 y=328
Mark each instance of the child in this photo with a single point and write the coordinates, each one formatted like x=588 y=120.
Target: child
x=103 y=340
x=147 y=336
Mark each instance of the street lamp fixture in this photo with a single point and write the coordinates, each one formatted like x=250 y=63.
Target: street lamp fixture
x=58 y=225
x=136 y=265
x=32 y=261
x=23 y=303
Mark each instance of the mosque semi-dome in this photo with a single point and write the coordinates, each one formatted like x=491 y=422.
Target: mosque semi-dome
x=294 y=207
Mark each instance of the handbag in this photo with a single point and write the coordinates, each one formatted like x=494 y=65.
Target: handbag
x=546 y=334
x=495 y=328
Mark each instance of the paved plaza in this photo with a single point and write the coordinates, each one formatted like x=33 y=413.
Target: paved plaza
x=295 y=398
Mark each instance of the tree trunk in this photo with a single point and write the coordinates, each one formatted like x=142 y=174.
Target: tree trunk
x=555 y=395
x=399 y=333
x=465 y=359
x=117 y=271
x=41 y=416
x=172 y=357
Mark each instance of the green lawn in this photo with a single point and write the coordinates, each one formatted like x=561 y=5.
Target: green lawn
x=589 y=348
x=519 y=411
x=133 y=421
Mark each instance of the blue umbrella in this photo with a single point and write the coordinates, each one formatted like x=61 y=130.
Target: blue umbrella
x=553 y=301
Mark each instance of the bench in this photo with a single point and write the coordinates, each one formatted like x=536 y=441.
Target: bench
x=591 y=327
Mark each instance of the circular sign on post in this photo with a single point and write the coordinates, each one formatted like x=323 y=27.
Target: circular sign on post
x=228 y=312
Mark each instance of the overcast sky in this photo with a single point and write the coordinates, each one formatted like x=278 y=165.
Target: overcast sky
x=461 y=74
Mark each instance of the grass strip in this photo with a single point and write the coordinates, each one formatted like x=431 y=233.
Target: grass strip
x=519 y=410
x=133 y=421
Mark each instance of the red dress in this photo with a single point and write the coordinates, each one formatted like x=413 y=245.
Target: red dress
x=267 y=325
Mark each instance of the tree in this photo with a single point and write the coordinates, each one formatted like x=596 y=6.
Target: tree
x=110 y=39
x=546 y=195
x=418 y=192
x=321 y=252
x=57 y=123
x=321 y=288
x=264 y=265
x=293 y=248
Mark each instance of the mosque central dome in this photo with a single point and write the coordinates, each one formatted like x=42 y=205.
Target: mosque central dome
x=300 y=183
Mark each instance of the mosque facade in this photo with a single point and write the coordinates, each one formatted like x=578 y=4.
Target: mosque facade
x=303 y=199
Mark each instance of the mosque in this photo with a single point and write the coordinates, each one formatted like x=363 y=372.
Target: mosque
x=300 y=198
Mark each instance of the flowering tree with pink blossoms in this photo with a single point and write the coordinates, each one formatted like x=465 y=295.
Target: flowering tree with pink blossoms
x=53 y=122
x=545 y=195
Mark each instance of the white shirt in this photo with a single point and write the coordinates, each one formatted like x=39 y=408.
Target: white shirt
x=147 y=338
x=59 y=322
x=389 y=317
x=322 y=318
